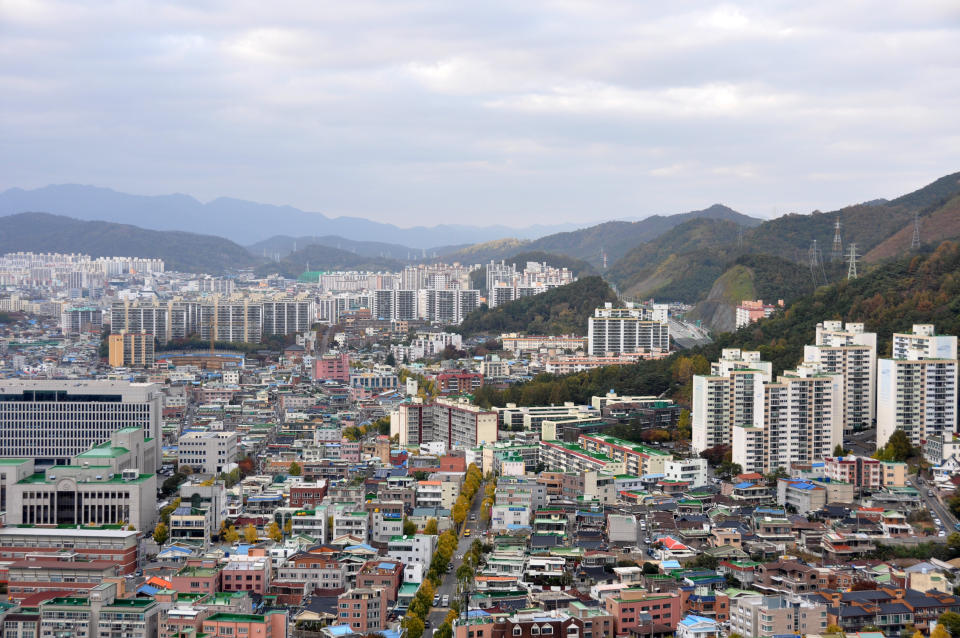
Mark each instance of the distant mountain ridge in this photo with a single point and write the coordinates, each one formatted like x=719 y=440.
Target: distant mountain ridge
x=186 y=252
x=613 y=239
x=241 y=221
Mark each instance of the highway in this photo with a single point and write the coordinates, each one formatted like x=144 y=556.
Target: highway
x=449 y=585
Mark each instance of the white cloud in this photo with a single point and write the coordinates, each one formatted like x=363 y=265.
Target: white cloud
x=563 y=109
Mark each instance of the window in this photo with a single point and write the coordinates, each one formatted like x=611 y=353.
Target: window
x=516 y=630
x=547 y=630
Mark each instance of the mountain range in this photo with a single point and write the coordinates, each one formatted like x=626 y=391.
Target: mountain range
x=240 y=221
x=711 y=258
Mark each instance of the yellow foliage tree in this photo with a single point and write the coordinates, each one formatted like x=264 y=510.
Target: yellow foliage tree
x=273 y=532
x=250 y=534
x=231 y=535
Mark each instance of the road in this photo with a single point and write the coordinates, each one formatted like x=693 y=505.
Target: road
x=863 y=443
x=937 y=509
x=449 y=585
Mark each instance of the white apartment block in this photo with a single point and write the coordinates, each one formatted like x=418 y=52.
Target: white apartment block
x=625 y=331
x=505 y=517
x=312 y=523
x=852 y=353
x=802 y=422
x=447 y=306
x=720 y=402
x=52 y=421
x=208 y=452
x=417 y=549
x=736 y=359
x=693 y=471
x=917 y=388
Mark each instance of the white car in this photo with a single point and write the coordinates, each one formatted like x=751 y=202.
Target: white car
x=942 y=533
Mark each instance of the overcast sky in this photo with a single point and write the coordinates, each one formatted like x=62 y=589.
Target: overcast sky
x=512 y=112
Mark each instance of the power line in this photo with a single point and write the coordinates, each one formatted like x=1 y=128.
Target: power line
x=852 y=261
x=837 y=252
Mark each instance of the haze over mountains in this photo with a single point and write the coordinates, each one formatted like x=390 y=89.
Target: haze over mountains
x=712 y=258
x=241 y=221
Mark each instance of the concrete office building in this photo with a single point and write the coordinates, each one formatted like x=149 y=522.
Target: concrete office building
x=52 y=421
x=917 y=388
x=613 y=331
x=852 y=353
x=110 y=483
x=208 y=452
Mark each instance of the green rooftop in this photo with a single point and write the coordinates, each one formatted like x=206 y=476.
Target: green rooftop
x=225 y=617
x=104 y=451
x=13 y=461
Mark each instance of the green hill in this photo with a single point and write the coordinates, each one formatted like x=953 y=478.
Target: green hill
x=185 y=252
x=315 y=257
x=563 y=310
x=918 y=288
x=680 y=265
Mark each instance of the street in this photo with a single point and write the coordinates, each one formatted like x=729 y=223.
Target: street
x=937 y=509
x=449 y=585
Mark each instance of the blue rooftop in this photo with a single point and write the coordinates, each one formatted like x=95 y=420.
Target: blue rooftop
x=744 y=485
x=340 y=630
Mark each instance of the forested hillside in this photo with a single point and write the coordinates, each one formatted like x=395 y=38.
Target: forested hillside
x=563 y=310
x=186 y=252
x=917 y=288
x=316 y=257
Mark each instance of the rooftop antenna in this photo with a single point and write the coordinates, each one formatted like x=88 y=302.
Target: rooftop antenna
x=915 y=242
x=837 y=242
x=852 y=261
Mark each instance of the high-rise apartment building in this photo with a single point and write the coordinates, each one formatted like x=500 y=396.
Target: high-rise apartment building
x=852 y=353
x=74 y=321
x=456 y=422
x=288 y=316
x=449 y=306
x=802 y=421
x=626 y=331
x=52 y=421
x=736 y=359
x=394 y=305
x=917 y=388
x=722 y=402
x=131 y=350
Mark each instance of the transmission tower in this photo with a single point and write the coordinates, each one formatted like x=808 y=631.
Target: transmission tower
x=837 y=252
x=739 y=237
x=852 y=261
x=815 y=259
x=915 y=243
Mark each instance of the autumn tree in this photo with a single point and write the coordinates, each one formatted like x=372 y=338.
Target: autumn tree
x=431 y=527
x=250 y=534
x=273 y=532
x=295 y=469
x=231 y=535
x=161 y=533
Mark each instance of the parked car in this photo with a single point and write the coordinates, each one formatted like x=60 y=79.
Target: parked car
x=436 y=600
x=446 y=601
